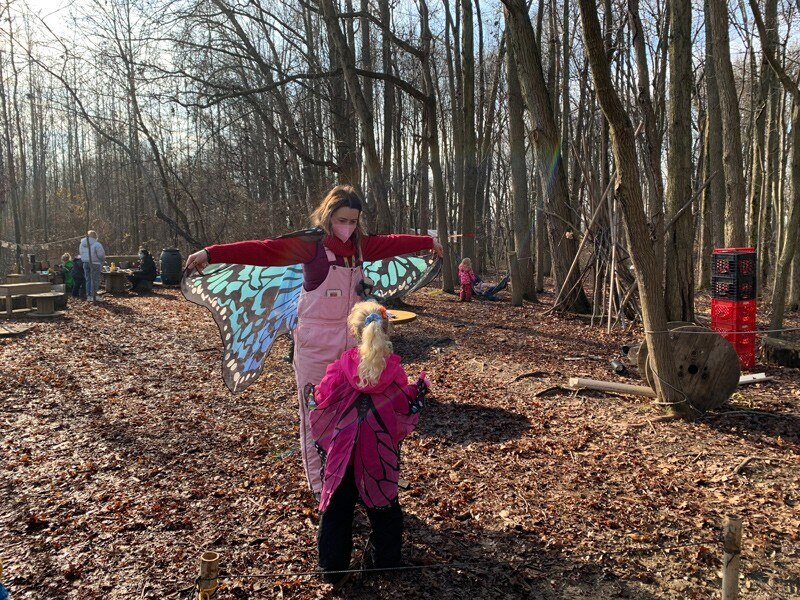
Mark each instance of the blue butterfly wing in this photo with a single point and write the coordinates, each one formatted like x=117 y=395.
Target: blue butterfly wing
x=251 y=306
x=400 y=275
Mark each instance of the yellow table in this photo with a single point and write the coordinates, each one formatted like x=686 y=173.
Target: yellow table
x=398 y=317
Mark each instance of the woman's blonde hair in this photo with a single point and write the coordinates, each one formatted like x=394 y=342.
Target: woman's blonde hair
x=341 y=196
x=466 y=263
x=66 y=257
x=369 y=322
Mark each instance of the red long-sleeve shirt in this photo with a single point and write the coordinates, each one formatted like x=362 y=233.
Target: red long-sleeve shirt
x=279 y=252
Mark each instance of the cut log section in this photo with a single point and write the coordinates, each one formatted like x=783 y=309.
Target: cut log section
x=782 y=352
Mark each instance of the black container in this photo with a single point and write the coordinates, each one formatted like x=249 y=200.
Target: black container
x=731 y=264
x=733 y=287
x=171 y=266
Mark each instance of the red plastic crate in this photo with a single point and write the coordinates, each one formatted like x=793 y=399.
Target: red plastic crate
x=732 y=250
x=733 y=315
x=733 y=287
x=743 y=343
x=735 y=262
x=747 y=360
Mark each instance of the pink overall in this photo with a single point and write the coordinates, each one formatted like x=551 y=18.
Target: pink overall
x=321 y=337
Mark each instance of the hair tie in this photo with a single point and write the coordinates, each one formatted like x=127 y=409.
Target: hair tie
x=371 y=318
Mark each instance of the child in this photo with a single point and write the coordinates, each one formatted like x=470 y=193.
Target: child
x=78 y=278
x=359 y=413
x=467 y=278
x=66 y=271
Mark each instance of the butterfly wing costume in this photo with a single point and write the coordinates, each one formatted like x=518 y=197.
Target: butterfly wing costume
x=363 y=426
x=253 y=305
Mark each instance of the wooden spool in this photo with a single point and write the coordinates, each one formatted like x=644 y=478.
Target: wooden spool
x=641 y=357
x=707 y=366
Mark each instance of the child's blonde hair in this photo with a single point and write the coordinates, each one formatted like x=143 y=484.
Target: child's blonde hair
x=66 y=257
x=369 y=322
x=467 y=263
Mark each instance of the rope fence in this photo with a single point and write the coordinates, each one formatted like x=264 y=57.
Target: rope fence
x=208 y=580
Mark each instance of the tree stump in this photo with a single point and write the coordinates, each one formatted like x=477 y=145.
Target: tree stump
x=782 y=352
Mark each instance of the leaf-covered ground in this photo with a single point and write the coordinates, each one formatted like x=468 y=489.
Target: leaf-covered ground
x=123 y=457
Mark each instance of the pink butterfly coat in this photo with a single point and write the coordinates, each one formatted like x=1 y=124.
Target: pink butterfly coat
x=363 y=426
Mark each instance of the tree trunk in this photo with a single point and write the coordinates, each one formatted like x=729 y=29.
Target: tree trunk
x=432 y=138
x=715 y=192
x=519 y=178
x=679 y=289
x=629 y=194
x=731 y=127
x=793 y=301
x=705 y=245
x=468 y=192
x=546 y=140
x=792 y=230
x=372 y=162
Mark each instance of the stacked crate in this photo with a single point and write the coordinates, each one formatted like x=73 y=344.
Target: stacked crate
x=733 y=304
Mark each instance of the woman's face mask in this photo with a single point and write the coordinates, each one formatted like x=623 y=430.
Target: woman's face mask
x=344 y=222
x=343 y=231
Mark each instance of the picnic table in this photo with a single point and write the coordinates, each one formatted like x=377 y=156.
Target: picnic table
x=46 y=304
x=115 y=281
x=9 y=290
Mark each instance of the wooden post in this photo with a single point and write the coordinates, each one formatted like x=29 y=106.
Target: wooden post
x=732 y=544
x=209 y=571
x=516 y=280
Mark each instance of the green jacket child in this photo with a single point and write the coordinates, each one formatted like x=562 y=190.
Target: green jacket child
x=66 y=269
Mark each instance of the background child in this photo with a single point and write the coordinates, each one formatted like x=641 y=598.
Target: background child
x=78 y=278
x=359 y=413
x=66 y=271
x=467 y=278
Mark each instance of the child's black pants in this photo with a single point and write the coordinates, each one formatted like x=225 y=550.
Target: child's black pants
x=335 y=535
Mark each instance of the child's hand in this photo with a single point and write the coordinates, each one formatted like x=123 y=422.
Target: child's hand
x=424 y=377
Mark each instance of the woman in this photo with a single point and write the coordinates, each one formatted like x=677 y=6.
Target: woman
x=332 y=262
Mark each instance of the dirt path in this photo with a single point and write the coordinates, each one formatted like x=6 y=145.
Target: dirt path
x=123 y=456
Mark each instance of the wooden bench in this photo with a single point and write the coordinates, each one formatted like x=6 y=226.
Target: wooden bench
x=9 y=290
x=46 y=304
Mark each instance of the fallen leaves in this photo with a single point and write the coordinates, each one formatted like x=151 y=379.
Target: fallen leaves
x=126 y=457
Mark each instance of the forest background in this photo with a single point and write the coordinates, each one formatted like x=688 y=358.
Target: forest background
x=187 y=123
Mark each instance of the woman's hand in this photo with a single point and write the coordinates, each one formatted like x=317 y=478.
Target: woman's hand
x=437 y=248
x=198 y=261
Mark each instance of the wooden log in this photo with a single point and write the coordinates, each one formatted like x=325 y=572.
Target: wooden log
x=209 y=572
x=732 y=546
x=782 y=352
x=640 y=390
x=516 y=279
x=610 y=386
